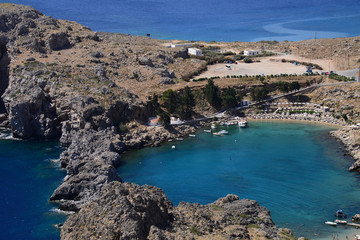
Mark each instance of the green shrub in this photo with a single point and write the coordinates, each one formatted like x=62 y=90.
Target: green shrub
x=248 y=60
x=194 y=230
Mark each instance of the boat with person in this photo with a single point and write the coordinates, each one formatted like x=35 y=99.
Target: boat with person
x=340 y=214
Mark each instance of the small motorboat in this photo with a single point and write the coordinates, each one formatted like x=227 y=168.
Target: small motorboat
x=242 y=123
x=338 y=221
x=192 y=135
x=330 y=223
x=357 y=237
x=223 y=132
x=340 y=214
x=179 y=139
x=208 y=131
x=217 y=134
x=213 y=126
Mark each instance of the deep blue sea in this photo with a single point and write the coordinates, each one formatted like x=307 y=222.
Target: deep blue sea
x=28 y=177
x=211 y=20
x=295 y=170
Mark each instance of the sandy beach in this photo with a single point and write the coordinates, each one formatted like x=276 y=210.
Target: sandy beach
x=293 y=121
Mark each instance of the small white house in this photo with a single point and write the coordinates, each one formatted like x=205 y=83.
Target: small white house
x=194 y=51
x=252 y=52
x=181 y=45
x=245 y=103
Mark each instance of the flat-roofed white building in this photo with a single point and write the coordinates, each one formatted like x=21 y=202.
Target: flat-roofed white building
x=194 y=51
x=181 y=45
x=252 y=52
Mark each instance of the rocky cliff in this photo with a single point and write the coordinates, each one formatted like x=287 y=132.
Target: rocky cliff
x=350 y=137
x=4 y=71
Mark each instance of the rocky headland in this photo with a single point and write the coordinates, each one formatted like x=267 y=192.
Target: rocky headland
x=91 y=91
x=129 y=211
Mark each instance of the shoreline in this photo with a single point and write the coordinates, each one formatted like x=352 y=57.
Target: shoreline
x=295 y=121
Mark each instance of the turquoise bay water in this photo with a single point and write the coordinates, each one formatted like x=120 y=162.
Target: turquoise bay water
x=295 y=170
x=231 y=20
x=28 y=178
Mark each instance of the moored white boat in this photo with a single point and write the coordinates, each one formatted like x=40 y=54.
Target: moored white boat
x=207 y=130
x=330 y=223
x=242 y=123
x=340 y=221
x=223 y=132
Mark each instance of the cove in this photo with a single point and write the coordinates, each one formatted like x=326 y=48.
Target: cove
x=295 y=170
x=28 y=177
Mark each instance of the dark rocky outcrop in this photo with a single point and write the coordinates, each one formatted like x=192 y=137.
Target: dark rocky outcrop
x=123 y=211
x=90 y=162
x=129 y=211
x=31 y=109
x=4 y=72
x=58 y=41
x=350 y=137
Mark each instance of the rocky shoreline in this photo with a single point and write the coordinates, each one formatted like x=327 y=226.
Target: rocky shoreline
x=350 y=138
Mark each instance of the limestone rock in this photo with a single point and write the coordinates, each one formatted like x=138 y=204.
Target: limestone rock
x=146 y=61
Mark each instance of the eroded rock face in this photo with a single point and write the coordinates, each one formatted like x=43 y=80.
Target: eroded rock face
x=90 y=162
x=31 y=109
x=4 y=71
x=123 y=211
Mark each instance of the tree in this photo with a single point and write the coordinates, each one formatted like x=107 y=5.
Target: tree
x=294 y=86
x=212 y=94
x=169 y=98
x=187 y=102
x=164 y=119
x=155 y=103
x=229 y=98
x=258 y=94
x=283 y=86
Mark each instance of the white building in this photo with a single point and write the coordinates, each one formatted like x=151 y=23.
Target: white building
x=252 y=52
x=194 y=51
x=181 y=45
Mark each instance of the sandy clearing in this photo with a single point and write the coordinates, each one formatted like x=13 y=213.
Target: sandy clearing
x=267 y=66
